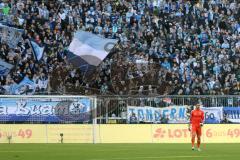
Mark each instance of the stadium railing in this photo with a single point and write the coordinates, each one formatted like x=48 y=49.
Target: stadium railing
x=101 y=109
x=113 y=109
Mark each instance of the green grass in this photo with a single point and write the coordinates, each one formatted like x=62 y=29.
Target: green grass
x=118 y=152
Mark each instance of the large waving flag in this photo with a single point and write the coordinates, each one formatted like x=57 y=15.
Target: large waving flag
x=91 y=48
x=37 y=50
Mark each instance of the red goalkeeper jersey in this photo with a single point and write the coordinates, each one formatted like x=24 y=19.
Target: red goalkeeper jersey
x=197 y=117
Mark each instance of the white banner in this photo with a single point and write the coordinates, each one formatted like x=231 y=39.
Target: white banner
x=172 y=114
x=213 y=114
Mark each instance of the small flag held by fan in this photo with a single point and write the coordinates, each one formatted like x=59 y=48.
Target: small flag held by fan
x=167 y=100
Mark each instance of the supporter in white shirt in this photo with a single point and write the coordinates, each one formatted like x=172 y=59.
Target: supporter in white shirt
x=238 y=44
x=43 y=84
x=20 y=20
x=129 y=14
x=20 y=5
x=62 y=15
x=225 y=45
x=1 y=5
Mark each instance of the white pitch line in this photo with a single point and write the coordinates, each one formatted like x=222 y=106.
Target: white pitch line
x=162 y=157
x=14 y=151
x=115 y=150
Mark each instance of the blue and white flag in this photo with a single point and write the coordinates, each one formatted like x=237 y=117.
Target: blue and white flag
x=213 y=114
x=37 y=50
x=4 y=68
x=91 y=48
x=232 y=114
x=26 y=86
x=10 y=35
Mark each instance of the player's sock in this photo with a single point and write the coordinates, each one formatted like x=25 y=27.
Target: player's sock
x=198 y=143
x=193 y=141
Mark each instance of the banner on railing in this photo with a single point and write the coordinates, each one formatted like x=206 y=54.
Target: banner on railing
x=232 y=114
x=172 y=114
x=178 y=114
x=45 y=110
x=213 y=114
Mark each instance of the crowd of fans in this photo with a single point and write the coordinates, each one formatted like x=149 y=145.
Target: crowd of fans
x=167 y=47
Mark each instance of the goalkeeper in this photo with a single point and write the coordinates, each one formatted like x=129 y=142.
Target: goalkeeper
x=196 y=122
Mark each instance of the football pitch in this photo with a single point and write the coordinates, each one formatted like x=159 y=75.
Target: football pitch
x=118 y=152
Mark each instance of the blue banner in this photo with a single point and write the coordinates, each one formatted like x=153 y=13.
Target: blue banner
x=45 y=110
x=232 y=114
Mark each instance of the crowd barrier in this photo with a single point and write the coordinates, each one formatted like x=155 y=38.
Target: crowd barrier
x=104 y=110
x=156 y=109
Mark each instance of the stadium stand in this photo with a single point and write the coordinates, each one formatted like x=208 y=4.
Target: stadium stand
x=166 y=47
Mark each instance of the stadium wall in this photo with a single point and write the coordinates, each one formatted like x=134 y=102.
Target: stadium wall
x=115 y=133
